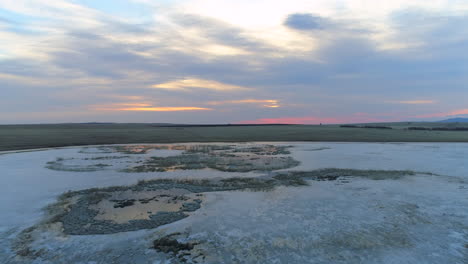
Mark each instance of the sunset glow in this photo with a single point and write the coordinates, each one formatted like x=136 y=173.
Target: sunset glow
x=164 y=109
x=416 y=102
x=262 y=103
x=310 y=120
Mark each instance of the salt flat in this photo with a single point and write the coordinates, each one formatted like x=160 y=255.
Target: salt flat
x=421 y=217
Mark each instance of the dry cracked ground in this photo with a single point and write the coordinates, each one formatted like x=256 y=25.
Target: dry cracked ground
x=236 y=203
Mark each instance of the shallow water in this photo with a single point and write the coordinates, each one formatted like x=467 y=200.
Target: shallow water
x=417 y=219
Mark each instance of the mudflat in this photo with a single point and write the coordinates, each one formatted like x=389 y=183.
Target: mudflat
x=236 y=202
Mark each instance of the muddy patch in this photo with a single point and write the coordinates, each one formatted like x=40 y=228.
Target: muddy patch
x=123 y=207
x=107 y=158
x=262 y=149
x=317 y=149
x=222 y=163
x=103 y=213
x=153 y=203
x=179 y=247
x=229 y=158
x=332 y=174
x=222 y=158
x=126 y=149
x=269 y=150
x=62 y=164
x=367 y=239
x=150 y=204
x=146 y=205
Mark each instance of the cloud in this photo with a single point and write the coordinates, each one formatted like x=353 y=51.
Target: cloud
x=263 y=103
x=216 y=31
x=455 y=113
x=414 y=102
x=165 y=109
x=419 y=29
x=335 y=62
x=304 y=21
x=191 y=83
x=145 y=107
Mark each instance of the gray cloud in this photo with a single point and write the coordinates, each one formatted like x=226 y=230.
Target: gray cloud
x=305 y=21
x=220 y=32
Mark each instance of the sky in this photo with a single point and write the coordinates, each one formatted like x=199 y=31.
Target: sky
x=218 y=61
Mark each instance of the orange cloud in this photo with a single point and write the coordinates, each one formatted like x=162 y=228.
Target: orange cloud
x=115 y=106
x=145 y=107
x=165 y=109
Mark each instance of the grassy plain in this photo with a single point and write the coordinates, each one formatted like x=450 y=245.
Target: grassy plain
x=20 y=137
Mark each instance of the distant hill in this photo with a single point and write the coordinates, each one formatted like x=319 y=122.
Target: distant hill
x=454 y=120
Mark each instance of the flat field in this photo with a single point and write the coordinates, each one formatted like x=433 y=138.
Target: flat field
x=19 y=137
